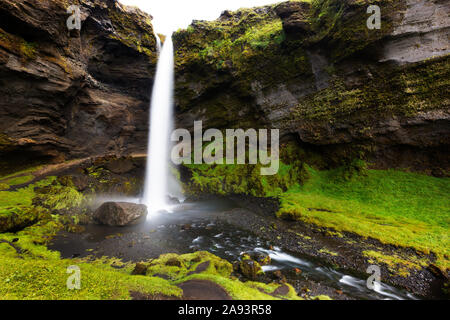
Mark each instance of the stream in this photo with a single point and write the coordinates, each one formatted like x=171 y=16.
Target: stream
x=191 y=227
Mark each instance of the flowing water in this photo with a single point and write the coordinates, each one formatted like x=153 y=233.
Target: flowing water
x=161 y=117
x=198 y=226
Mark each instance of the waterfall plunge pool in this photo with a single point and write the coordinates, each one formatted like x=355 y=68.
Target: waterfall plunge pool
x=198 y=226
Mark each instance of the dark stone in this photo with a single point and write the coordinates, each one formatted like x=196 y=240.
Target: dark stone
x=173 y=262
x=203 y=290
x=120 y=166
x=140 y=269
x=120 y=214
x=200 y=268
x=295 y=17
x=81 y=182
x=281 y=290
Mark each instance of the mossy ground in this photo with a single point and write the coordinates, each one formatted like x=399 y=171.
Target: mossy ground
x=181 y=268
x=395 y=207
x=396 y=264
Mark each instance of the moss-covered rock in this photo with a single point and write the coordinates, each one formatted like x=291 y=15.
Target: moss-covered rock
x=204 y=266
x=250 y=268
x=17 y=218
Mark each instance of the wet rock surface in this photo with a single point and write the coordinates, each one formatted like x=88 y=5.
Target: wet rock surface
x=203 y=290
x=120 y=214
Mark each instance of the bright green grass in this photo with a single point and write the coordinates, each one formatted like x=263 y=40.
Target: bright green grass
x=20 y=180
x=20 y=173
x=39 y=273
x=22 y=197
x=46 y=279
x=395 y=207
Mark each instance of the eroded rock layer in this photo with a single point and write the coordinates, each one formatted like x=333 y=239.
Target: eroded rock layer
x=315 y=71
x=71 y=94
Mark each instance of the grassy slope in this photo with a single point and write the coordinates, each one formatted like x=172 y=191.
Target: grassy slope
x=395 y=207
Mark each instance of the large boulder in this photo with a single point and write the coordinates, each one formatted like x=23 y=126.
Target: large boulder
x=120 y=214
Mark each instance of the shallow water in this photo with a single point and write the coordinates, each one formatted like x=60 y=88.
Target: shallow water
x=195 y=227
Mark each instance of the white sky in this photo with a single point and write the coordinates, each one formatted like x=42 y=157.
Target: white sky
x=170 y=15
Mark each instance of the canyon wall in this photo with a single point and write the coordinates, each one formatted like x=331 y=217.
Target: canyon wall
x=315 y=71
x=312 y=69
x=70 y=94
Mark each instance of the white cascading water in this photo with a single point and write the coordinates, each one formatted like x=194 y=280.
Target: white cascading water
x=157 y=172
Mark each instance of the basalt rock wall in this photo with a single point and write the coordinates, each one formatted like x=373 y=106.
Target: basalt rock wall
x=319 y=74
x=70 y=94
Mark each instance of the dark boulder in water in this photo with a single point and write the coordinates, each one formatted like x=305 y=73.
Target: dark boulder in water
x=120 y=214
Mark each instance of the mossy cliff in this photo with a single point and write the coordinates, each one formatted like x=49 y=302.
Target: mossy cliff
x=314 y=70
x=73 y=94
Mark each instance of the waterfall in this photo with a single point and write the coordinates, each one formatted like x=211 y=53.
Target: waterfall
x=158 y=43
x=157 y=172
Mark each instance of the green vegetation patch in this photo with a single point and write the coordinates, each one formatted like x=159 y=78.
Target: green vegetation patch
x=395 y=207
x=396 y=264
x=249 y=44
x=17 y=45
x=133 y=29
x=222 y=179
x=342 y=25
x=401 y=90
x=181 y=268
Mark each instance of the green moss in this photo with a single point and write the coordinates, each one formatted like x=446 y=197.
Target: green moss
x=39 y=279
x=342 y=28
x=247 y=44
x=395 y=207
x=17 y=45
x=397 y=265
x=328 y=252
x=58 y=196
x=181 y=268
x=26 y=170
x=402 y=90
x=321 y=297
x=28 y=50
x=20 y=180
x=133 y=30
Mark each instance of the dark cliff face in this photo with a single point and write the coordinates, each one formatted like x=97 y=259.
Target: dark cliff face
x=315 y=71
x=72 y=94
